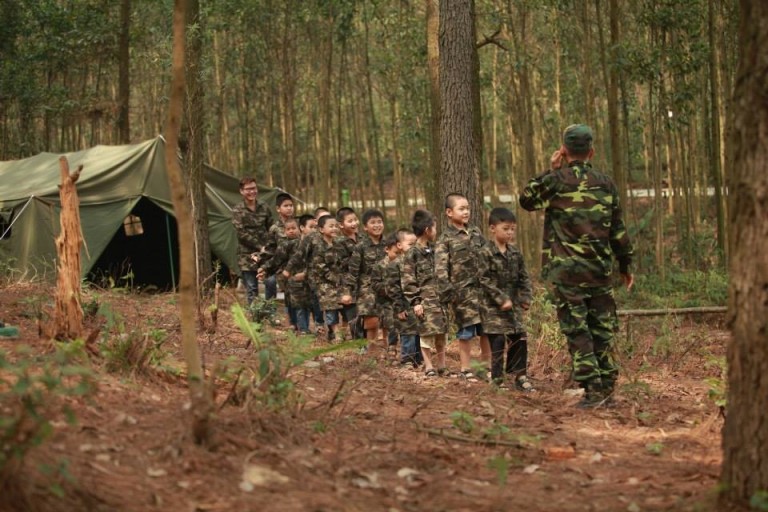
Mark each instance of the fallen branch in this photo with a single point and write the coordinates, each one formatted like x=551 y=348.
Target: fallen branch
x=466 y=439
x=672 y=311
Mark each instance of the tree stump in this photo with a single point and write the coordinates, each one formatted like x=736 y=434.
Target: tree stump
x=68 y=313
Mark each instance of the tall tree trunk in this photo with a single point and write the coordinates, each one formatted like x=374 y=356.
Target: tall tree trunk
x=745 y=435
x=201 y=402
x=435 y=183
x=715 y=153
x=194 y=133
x=124 y=72
x=460 y=129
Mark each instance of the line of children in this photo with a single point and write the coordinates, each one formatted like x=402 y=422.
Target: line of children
x=416 y=284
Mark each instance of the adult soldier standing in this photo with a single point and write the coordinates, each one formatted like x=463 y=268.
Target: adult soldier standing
x=583 y=232
x=252 y=220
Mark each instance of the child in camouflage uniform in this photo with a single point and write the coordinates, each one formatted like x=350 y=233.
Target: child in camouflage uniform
x=457 y=271
x=420 y=288
x=583 y=231
x=405 y=322
x=345 y=246
x=252 y=220
x=298 y=266
x=285 y=208
x=295 y=288
x=356 y=282
x=507 y=290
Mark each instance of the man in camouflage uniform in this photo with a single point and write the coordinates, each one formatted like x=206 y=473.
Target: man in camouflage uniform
x=457 y=271
x=583 y=231
x=252 y=220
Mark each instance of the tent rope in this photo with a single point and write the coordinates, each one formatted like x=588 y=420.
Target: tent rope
x=2 y=237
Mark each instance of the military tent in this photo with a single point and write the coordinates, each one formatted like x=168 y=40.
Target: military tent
x=125 y=208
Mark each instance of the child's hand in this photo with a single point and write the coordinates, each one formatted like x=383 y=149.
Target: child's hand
x=346 y=299
x=299 y=277
x=507 y=305
x=260 y=273
x=418 y=310
x=255 y=256
x=286 y=274
x=403 y=315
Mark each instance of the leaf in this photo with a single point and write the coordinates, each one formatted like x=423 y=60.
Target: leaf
x=531 y=469
x=254 y=475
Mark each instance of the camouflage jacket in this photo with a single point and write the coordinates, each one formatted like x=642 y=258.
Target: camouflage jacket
x=393 y=296
x=458 y=271
x=251 y=228
x=358 y=279
x=275 y=236
x=419 y=285
x=299 y=260
x=504 y=277
x=297 y=293
x=583 y=227
x=323 y=274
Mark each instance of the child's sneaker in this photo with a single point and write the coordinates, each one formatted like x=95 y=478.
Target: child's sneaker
x=523 y=384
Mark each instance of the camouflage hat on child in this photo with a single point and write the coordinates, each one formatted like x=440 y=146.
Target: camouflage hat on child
x=577 y=139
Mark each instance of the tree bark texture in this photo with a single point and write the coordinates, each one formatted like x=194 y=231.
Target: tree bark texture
x=68 y=313
x=745 y=435
x=434 y=201
x=460 y=132
x=201 y=403
x=194 y=133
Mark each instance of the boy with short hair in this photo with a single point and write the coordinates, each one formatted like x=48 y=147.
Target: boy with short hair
x=457 y=271
x=285 y=209
x=405 y=322
x=420 y=288
x=507 y=290
x=300 y=264
x=345 y=246
x=356 y=281
x=323 y=272
x=295 y=295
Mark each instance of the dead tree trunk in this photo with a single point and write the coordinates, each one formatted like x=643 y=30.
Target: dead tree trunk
x=68 y=315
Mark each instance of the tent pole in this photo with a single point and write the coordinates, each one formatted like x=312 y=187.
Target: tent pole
x=170 y=249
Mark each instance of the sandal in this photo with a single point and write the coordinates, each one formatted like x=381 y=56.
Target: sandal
x=445 y=372
x=523 y=384
x=469 y=376
x=430 y=373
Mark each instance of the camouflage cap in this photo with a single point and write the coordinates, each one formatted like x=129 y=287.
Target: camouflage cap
x=577 y=139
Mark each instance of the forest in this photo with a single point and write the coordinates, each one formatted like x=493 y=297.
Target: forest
x=332 y=97
x=348 y=102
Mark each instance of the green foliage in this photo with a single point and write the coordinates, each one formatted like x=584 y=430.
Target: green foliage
x=655 y=448
x=759 y=501
x=130 y=352
x=717 y=388
x=265 y=378
x=680 y=289
x=32 y=395
x=263 y=310
x=500 y=465
x=463 y=421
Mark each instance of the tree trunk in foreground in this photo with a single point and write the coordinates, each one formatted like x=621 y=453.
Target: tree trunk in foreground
x=745 y=435
x=68 y=314
x=201 y=402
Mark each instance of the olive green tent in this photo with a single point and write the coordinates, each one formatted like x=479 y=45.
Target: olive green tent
x=120 y=189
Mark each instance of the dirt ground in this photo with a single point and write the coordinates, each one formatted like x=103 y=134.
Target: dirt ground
x=367 y=435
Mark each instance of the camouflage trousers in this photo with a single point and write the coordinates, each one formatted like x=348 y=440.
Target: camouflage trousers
x=588 y=320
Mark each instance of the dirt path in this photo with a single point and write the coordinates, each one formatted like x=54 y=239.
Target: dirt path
x=369 y=436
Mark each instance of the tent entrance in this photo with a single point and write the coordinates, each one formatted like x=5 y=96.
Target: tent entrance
x=143 y=253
